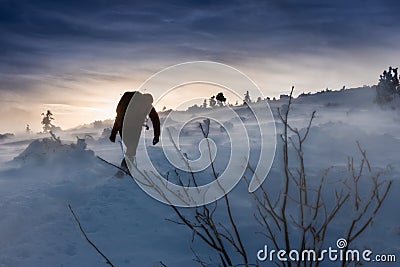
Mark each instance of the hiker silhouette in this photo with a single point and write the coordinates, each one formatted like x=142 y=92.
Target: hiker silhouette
x=118 y=127
x=121 y=110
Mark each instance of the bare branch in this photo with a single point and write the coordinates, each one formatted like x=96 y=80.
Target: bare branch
x=87 y=238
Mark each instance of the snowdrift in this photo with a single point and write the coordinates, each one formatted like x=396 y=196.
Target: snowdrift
x=48 y=151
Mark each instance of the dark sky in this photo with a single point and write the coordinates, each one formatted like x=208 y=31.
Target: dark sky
x=78 y=56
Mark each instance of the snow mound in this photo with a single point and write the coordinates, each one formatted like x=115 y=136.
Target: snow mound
x=6 y=136
x=48 y=151
x=104 y=136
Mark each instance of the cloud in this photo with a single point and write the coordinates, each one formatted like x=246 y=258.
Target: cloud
x=79 y=48
x=52 y=27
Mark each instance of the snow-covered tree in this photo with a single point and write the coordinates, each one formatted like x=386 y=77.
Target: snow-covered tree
x=204 y=103
x=221 y=99
x=213 y=102
x=388 y=86
x=247 y=99
x=98 y=124
x=46 y=121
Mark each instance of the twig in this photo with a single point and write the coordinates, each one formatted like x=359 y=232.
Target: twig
x=87 y=238
x=118 y=167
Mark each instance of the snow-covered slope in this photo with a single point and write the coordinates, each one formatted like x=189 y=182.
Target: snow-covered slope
x=39 y=178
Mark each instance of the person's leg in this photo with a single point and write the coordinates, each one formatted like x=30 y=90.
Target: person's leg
x=123 y=162
x=123 y=165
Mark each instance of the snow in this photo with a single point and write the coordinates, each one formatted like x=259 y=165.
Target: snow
x=39 y=177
